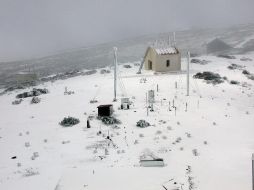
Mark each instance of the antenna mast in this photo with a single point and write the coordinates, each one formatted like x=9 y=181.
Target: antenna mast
x=169 y=41
x=115 y=77
x=174 y=39
x=188 y=73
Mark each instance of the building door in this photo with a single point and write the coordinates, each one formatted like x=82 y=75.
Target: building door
x=150 y=65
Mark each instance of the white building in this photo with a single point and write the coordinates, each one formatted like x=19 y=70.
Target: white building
x=162 y=59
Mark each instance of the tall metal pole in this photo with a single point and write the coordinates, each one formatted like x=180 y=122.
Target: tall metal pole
x=174 y=39
x=188 y=73
x=252 y=171
x=115 y=68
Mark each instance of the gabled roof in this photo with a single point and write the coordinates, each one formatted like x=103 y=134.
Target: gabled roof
x=166 y=50
x=104 y=106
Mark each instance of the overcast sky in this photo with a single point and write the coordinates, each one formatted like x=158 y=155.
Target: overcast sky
x=30 y=28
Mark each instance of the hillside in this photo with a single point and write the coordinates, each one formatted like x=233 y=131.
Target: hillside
x=206 y=145
x=240 y=37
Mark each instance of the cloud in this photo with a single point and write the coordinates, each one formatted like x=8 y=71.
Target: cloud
x=35 y=28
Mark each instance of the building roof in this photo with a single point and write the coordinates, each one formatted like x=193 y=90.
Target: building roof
x=166 y=50
x=105 y=106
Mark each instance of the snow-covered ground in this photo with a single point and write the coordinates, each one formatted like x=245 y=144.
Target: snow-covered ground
x=218 y=124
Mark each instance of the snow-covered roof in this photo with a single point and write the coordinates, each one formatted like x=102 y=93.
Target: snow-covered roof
x=166 y=50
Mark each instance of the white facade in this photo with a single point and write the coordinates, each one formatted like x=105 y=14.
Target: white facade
x=162 y=59
x=152 y=163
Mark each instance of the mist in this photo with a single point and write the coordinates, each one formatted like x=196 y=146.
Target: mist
x=31 y=28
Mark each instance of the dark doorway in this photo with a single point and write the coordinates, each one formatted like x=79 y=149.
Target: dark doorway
x=150 y=65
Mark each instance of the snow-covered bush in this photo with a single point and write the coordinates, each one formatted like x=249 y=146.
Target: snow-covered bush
x=142 y=124
x=210 y=77
x=195 y=152
x=30 y=172
x=34 y=92
x=234 y=82
x=110 y=120
x=16 y=102
x=27 y=144
x=69 y=121
x=35 y=100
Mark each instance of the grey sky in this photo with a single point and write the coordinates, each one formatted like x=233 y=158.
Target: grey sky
x=31 y=28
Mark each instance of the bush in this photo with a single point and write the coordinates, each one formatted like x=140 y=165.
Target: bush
x=209 y=77
x=245 y=72
x=69 y=121
x=234 y=82
x=35 y=100
x=110 y=120
x=142 y=124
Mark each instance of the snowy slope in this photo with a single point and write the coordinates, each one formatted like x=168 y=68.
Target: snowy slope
x=218 y=123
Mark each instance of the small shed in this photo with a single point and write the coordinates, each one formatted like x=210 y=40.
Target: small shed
x=125 y=103
x=162 y=59
x=150 y=160
x=105 y=110
x=152 y=163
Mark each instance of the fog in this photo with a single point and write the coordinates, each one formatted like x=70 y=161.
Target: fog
x=31 y=28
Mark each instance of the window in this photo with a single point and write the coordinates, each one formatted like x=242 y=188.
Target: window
x=168 y=63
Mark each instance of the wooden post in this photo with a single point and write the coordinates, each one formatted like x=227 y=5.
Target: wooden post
x=157 y=88
x=169 y=106
x=175 y=111
x=88 y=124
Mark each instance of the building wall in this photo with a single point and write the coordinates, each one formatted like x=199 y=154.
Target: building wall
x=150 y=55
x=152 y=163
x=159 y=62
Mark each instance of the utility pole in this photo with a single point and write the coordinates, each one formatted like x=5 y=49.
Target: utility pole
x=188 y=73
x=146 y=105
x=252 y=171
x=115 y=68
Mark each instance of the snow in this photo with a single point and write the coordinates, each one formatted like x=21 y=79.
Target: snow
x=166 y=50
x=243 y=42
x=218 y=124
